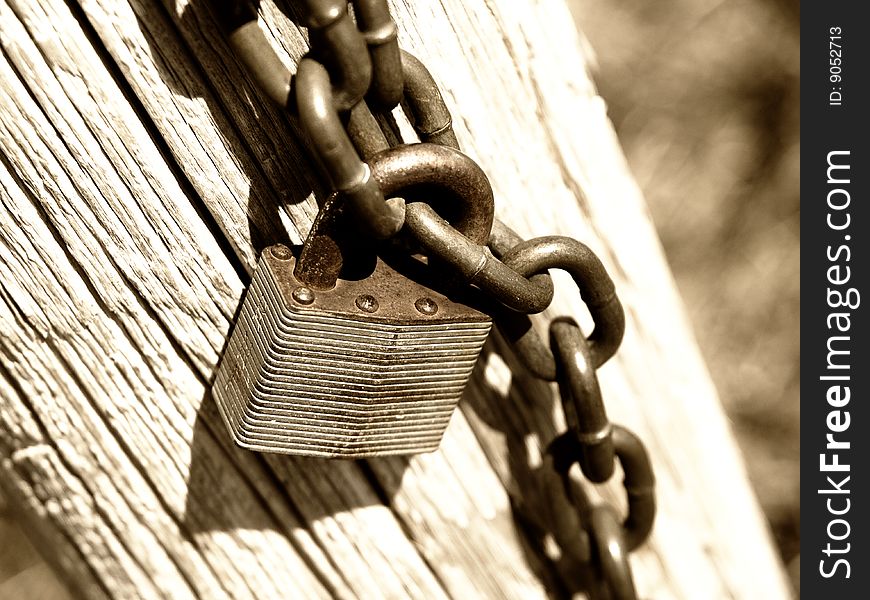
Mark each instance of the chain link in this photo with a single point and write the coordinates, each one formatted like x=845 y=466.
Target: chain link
x=331 y=79
x=638 y=482
x=596 y=290
x=581 y=399
x=454 y=225
x=608 y=541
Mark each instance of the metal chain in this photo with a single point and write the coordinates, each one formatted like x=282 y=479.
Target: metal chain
x=355 y=59
x=333 y=78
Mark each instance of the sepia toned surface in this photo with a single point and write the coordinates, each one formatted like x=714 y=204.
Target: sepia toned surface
x=705 y=98
x=125 y=253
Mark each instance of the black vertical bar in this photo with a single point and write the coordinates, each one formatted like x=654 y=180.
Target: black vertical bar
x=835 y=560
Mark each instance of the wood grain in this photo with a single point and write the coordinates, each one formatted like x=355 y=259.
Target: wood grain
x=141 y=174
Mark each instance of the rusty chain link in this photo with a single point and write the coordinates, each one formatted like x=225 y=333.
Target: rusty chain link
x=356 y=62
x=331 y=79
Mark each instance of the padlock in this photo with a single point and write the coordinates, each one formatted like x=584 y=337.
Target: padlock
x=350 y=366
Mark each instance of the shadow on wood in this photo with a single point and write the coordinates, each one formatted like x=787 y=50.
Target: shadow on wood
x=264 y=219
x=207 y=485
x=312 y=488
x=551 y=531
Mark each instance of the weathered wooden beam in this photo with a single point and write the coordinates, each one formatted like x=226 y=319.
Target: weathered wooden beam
x=141 y=174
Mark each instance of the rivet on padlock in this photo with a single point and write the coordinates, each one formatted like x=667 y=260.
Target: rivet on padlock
x=359 y=367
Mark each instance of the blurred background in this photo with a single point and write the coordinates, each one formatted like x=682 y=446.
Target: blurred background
x=704 y=95
x=705 y=98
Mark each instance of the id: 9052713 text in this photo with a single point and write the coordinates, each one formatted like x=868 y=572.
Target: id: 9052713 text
x=835 y=66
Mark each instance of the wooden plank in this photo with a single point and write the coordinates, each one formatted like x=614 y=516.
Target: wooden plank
x=244 y=161
x=134 y=151
x=372 y=551
x=104 y=446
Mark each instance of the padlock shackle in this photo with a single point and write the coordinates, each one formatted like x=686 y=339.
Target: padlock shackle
x=394 y=170
x=442 y=168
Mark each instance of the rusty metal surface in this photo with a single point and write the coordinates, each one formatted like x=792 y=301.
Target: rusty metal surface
x=337 y=43
x=596 y=290
x=350 y=176
x=475 y=262
x=608 y=540
x=396 y=295
x=380 y=34
x=424 y=104
x=453 y=183
x=360 y=349
x=364 y=131
x=581 y=399
x=326 y=377
x=639 y=480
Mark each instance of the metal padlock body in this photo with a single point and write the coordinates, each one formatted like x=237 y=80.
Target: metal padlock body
x=331 y=379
